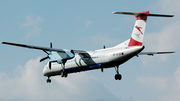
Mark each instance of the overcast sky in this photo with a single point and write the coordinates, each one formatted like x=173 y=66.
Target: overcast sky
x=88 y=25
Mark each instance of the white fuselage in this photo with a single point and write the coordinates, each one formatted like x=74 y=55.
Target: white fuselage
x=104 y=58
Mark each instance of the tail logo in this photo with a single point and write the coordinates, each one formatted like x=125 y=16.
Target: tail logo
x=139 y=28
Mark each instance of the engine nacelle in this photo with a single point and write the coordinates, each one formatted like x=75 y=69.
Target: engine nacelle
x=61 y=57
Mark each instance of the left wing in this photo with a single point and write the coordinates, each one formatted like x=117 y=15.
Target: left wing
x=54 y=55
x=153 y=53
x=33 y=47
x=41 y=48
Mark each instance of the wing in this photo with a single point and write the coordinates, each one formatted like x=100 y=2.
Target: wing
x=153 y=53
x=41 y=48
x=54 y=55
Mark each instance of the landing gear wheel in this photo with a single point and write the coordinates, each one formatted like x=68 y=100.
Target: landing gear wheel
x=118 y=77
x=48 y=80
x=64 y=74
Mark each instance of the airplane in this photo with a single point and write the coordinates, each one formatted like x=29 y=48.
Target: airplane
x=65 y=61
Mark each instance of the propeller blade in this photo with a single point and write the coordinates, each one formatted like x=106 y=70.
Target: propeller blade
x=49 y=65
x=44 y=58
x=50 y=44
x=46 y=52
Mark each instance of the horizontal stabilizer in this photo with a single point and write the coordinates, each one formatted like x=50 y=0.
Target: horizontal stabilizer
x=142 y=13
x=152 y=53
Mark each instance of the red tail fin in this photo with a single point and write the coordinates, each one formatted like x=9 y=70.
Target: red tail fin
x=139 y=29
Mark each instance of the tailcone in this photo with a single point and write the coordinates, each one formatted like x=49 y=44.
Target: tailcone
x=132 y=51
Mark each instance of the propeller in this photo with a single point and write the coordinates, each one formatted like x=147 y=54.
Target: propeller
x=49 y=65
x=50 y=44
x=47 y=57
x=44 y=58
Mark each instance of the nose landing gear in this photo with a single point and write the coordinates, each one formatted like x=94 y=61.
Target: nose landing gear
x=48 y=80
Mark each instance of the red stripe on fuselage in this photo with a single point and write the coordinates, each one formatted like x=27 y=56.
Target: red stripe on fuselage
x=133 y=42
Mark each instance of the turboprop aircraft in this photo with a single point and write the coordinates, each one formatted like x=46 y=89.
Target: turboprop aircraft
x=64 y=61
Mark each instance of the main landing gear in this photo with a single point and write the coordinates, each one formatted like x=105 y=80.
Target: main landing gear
x=117 y=76
x=48 y=80
x=63 y=73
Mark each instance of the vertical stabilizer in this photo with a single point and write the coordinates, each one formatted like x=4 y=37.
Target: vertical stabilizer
x=139 y=29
